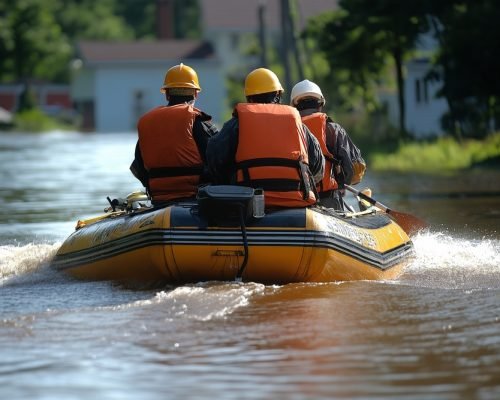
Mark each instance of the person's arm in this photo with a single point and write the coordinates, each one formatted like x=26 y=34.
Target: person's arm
x=349 y=156
x=203 y=130
x=137 y=167
x=315 y=155
x=221 y=150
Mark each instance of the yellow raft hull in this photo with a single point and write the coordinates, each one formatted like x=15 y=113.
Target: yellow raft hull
x=176 y=245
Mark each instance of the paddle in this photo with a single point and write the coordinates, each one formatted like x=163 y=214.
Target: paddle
x=409 y=223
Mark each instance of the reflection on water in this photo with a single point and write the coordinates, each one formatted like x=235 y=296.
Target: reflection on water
x=51 y=180
x=431 y=334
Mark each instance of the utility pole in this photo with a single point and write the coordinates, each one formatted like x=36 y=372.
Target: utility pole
x=285 y=45
x=295 y=39
x=262 y=33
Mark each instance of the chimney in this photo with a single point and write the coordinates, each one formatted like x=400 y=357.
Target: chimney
x=164 y=19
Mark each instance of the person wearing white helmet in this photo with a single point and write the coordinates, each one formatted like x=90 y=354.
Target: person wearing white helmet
x=343 y=161
x=170 y=153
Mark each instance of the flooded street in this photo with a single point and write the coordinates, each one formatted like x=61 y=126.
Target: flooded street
x=434 y=333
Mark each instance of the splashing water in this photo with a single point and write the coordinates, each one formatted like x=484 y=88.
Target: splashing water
x=441 y=261
x=203 y=302
x=22 y=260
x=446 y=262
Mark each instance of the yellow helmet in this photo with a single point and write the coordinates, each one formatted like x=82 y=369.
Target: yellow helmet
x=180 y=76
x=262 y=80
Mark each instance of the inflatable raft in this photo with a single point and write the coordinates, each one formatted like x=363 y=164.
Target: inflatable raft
x=225 y=235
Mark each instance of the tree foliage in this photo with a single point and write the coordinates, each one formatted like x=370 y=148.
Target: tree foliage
x=357 y=39
x=468 y=63
x=360 y=37
x=32 y=43
x=37 y=37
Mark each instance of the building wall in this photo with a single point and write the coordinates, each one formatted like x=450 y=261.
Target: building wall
x=124 y=92
x=83 y=84
x=423 y=109
x=46 y=95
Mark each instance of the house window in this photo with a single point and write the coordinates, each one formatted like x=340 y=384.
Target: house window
x=138 y=104
x=235 y=41
x=422 y=90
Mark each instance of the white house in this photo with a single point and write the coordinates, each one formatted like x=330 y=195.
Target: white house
x=114 y=83
x=423 y=109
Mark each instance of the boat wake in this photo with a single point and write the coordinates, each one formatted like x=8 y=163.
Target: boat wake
x=201 y=302
x=23 y=261
x=446 y=262
x=441 y=261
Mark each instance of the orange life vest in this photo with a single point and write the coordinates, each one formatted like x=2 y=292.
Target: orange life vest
x=272 y=154
x=169 y=151
x=316 y=123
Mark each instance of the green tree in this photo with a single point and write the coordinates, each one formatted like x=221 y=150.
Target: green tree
x=187 y=19
x=353 y=65
x=32 y=42
x=468 y=64
x=92 y=19
x=358 y=39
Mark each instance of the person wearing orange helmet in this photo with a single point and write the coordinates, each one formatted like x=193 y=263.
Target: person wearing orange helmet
x=170 y=153
x=265 y=145
x=343 y=161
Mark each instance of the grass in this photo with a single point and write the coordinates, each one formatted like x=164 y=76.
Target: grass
x=440 y=155
x=35 y=120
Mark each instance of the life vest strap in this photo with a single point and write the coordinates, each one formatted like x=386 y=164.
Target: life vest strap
x=274 y=185
x=268 y=162
x=167 y=172
x=278 y=185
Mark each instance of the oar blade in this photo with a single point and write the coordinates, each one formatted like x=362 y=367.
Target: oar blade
x=409 y=223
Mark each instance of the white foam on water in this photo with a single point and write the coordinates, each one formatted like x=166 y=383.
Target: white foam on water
x=203 y=301
x=450 y=262
x=18 y=261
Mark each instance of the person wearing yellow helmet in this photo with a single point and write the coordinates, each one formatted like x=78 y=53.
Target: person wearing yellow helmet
x=266 y=145
x=170 y=152
x=344 y=164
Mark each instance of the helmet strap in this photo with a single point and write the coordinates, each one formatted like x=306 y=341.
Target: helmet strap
x=309 y=103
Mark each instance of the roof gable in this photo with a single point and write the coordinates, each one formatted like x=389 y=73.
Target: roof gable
x=162 y=50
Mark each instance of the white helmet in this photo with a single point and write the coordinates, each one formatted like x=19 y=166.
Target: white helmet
x=304 y=89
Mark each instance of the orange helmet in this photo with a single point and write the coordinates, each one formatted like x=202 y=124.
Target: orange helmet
x=180 y=76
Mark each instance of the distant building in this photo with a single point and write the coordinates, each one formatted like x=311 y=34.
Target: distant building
x=424 y=109
x=228 y=24
x=114 y=83
x=50 y=97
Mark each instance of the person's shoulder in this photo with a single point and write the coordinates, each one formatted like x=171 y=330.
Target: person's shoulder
x=204 y=117
x=154 y=111
x=231 y=123
x=339 y=129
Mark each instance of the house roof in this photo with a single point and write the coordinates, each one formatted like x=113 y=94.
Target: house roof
x=162 y=50
x=242 y=15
